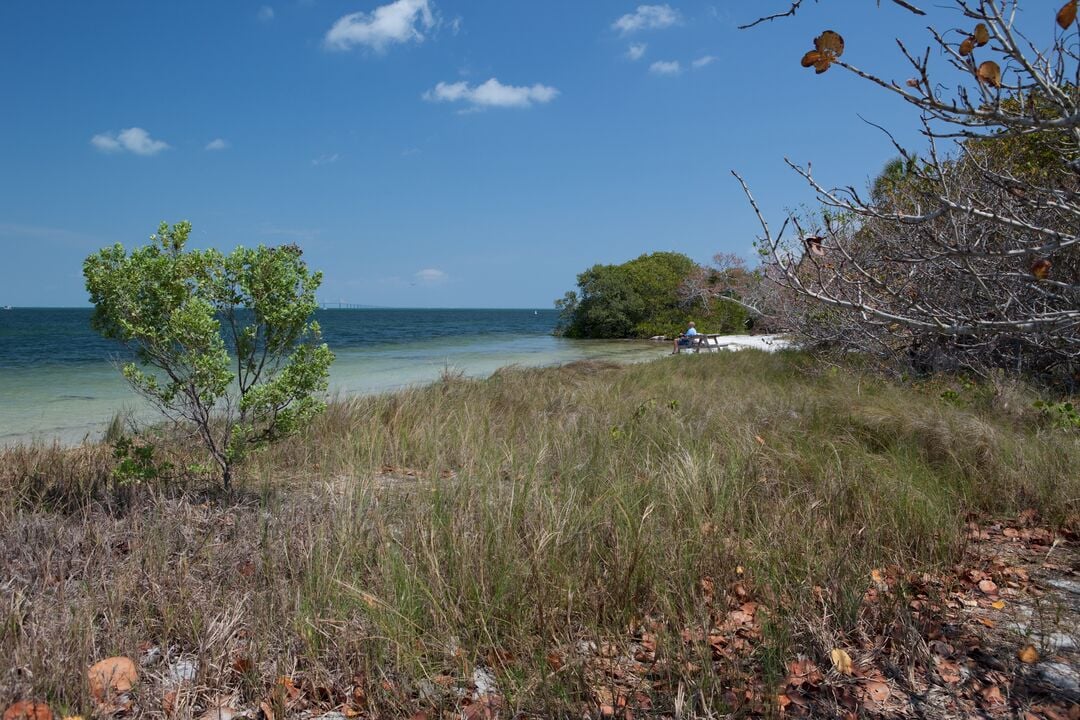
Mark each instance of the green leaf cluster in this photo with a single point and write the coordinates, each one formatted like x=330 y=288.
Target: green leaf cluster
x=639 y=299
x=222 y=342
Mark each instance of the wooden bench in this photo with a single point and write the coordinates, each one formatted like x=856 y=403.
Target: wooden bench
x=700 y=342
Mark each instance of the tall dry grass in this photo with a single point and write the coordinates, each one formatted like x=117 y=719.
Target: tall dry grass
x=493 y=523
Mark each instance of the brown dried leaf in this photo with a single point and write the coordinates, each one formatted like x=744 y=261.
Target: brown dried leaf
x=1067 y=15
x=831 y=42
x=877 y=690
x=841 y=661
x=168 y=702
x=949 y=671
x=1028 y=655
x=991 y=694
x=828 y=46
x=990 y=73
x=811 y=58
x=111 y=676
x=1041 y=268
x=803 y=672
x=981 y=35
x=988 y=587
x=28 y=710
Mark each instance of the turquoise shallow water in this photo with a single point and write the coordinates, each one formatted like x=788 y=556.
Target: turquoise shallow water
x=60 y=381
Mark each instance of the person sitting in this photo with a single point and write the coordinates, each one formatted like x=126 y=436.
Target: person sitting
x=684 y=340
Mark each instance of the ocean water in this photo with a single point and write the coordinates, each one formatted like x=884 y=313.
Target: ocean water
x=59 y=380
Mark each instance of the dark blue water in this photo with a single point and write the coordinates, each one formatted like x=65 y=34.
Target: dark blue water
x=32 y=337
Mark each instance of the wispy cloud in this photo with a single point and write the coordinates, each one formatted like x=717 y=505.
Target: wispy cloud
x=647 y=17
x=636 y=51
x=304 y=235
x=492 y=94
x=218 y=144
x=398 y=22
x=41 y=233
x=431 y=276
x=133 y=140
x=328 y=159
x=265 y=13
x=665 y=67
x=703 y=61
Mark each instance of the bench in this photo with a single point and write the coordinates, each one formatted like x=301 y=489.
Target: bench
x=699 y=342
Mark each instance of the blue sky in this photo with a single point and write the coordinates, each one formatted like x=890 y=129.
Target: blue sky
x=425 y=153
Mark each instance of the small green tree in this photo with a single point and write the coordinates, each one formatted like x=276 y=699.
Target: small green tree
x=223 y=343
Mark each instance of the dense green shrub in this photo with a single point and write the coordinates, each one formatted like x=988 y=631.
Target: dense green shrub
x=640 y=298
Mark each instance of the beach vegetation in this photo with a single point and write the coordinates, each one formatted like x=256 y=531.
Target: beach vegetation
x=645 y=297
x=223 y=344
x=559 y=542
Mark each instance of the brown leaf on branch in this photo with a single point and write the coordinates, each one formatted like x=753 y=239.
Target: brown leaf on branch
x=1067 y=15
x=990 y=73
x=813 y=244
x=831 y=42
x=828 y=46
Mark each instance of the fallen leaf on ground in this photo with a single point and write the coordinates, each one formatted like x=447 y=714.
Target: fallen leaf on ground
x=877 y=690
x=28 y=710
x=988 y=587
x=841 y=661
x=112 y=676
x=992 y=695
x=1028 y=654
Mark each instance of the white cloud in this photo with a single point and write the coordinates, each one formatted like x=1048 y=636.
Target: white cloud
x=456 y=24
x=266 y=13
x=431 y=275
x=135 y=140
x=636 y=51
x=665 y=67
x=397 y=22
x=647 y=17
x=703 y=61
x=328 y=159
x=218 y=144
x=492 y=94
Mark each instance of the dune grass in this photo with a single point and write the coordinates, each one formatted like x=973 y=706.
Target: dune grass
x=507 y=524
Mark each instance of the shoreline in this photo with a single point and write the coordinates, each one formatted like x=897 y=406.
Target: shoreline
x=359 y=372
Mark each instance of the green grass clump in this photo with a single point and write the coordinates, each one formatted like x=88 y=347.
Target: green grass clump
x=496 y=522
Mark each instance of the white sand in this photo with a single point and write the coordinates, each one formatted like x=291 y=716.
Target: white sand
x=768 y=343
